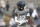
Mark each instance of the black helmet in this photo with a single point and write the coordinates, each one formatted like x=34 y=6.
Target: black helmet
x=21 y=4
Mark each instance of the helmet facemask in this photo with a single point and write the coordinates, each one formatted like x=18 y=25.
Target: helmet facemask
x=20 y=8
x=21 y=5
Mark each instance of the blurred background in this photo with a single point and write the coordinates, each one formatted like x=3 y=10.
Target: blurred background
x=7 y=8
x=13 y=3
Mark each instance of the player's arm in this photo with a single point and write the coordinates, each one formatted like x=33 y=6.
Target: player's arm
x=16 y=18
x=28 y=16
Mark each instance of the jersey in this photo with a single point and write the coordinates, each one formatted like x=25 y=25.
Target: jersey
x=21 y=14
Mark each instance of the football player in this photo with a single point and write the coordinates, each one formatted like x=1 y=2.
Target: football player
x=21 y=13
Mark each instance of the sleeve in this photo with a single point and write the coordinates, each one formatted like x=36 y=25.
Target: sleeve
x=28 y=14
x=34 y=13
x=16 y=19
x=26 y=10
